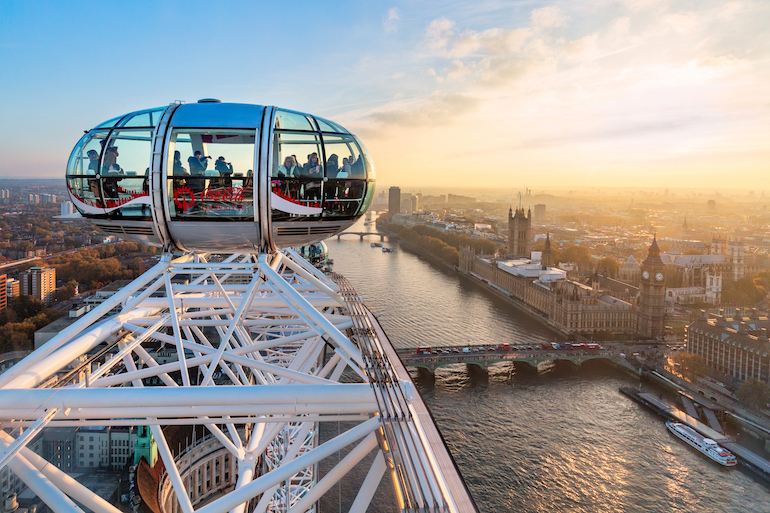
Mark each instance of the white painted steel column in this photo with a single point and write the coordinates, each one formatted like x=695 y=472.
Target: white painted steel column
x=43 y=488
x=284 y=472
x=300 y=271
x=62 y=480
x=370 y=485
x=26 y=437
x=335 y=474
x=300 y=302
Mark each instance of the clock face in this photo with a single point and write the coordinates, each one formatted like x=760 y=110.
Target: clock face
x=645 y=275
x=659 y=276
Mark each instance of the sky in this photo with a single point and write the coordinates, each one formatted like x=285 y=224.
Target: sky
x=636 y=93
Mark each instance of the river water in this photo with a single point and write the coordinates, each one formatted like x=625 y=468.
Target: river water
x=561 y=440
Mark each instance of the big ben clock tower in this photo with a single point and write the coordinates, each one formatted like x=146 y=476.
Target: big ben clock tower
x=649 y=322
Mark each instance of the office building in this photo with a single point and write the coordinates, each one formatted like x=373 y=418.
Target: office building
x=737 y=346
x=394 y=201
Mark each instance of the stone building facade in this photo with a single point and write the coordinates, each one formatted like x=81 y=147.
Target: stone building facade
x=520 y=236
x=737 y=346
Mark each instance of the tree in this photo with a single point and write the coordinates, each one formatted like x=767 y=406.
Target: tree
x=693 y=252
x=26 y=306
x=609 y=266
x=743 y=292
x=577 y=254
x=690 y=365
x=754 y=393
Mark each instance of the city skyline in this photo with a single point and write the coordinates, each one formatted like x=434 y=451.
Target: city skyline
x=643 y=93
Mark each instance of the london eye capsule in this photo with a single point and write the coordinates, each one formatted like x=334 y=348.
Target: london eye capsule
x=221 y=177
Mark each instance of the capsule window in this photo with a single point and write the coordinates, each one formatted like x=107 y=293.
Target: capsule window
x=143 y=119
x=83 y=172
x=297 y=180
x=125 y=173
x=329 y=126
x=210 y=174
x=346 y=176
x=285 y=120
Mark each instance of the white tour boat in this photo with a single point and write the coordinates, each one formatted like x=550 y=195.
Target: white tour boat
x=705 y=445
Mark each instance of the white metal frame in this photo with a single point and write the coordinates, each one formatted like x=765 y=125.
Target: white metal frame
x=261 y=342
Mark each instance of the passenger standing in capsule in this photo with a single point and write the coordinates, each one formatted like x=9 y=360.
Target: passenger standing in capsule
x=225 y=170
x=93 y=169
x=110 y=158
x=332 y=166
x=179 y=169
x=288 y=169
x=198 y=164
x=312 y=172
x=111 y=172
x=93 y=164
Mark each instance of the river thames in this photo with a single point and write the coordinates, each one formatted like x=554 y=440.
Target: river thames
x=561 y=440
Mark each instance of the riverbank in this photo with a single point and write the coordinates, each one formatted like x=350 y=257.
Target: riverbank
x=444 y=265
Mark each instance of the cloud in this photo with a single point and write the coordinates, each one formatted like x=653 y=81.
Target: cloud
x=439 y=33
x=390 y=22
x=548 y=17
x=436 y=111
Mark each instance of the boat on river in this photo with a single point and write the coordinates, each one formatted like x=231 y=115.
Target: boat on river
x=704 y=445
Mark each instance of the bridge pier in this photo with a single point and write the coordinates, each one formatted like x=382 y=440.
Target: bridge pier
x=426 y=375
x=477 y=370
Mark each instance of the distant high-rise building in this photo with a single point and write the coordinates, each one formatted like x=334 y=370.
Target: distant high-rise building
x=39 y=282
x=394 y=201
x=539 y=213
x=415 y=203
x=67 y=208
x=711 y=205
x=520 y=233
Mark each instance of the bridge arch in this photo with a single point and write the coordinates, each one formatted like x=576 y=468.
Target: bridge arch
x=361 y=235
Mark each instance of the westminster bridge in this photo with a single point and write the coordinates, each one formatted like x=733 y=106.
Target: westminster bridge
x=484 y=356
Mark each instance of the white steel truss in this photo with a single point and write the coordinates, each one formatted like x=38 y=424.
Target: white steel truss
x=259 y=349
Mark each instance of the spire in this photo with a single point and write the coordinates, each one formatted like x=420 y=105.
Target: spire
x=547 y=258
x=654 y=246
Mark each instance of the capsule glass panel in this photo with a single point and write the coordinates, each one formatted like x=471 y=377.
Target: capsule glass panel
x=83 y=173
x=297 y=181
x=346 y=176
x=125 y=172
x=210 y=174
x=329 y=126
x=143 y=119
x=285 y=120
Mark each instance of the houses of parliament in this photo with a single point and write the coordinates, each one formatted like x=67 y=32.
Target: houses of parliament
x=598 y=305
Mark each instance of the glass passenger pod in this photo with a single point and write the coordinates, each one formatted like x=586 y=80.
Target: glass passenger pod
x=317 y=254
